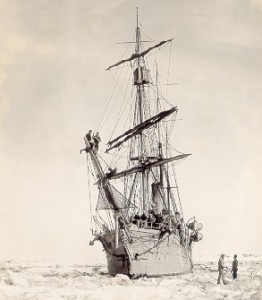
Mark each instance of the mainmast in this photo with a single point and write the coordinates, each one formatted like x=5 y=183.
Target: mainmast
x=142 y=121
x=139 y=85
x=160 y=148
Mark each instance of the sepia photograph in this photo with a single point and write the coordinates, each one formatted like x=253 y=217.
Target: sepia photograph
x=130 y=144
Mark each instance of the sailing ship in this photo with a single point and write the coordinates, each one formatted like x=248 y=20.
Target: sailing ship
x=138 y=217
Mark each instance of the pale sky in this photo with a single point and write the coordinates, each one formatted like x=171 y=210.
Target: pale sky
x=53 y=88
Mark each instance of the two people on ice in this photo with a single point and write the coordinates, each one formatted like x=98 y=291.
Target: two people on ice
x=222 y=268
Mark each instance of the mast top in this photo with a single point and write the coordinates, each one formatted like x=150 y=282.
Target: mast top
x=137 y=17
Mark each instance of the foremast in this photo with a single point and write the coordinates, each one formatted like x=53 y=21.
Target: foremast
x=103 y=181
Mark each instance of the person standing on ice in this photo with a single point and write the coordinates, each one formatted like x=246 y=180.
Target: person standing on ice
x=234 y=267
x=221 y=268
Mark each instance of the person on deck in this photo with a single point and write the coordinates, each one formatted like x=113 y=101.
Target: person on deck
x=150 y=220
x=221 y=268
x=110 y=172
x=177 y=216
x=143 y=220
x=234 y=267
x=181 y=230
x=136 y=219
x=158 y=220
x=177 y=221
x=121 y=222
x=163 y=229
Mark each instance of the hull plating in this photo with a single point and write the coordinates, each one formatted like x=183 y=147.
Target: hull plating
x=143 y=253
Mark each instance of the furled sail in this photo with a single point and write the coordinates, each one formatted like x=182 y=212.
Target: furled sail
x=148 y=165
x=139 y=128
x=157 y=202
x=136 y=55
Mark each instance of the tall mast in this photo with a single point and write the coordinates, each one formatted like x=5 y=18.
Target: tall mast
x=140 y=109
x=160 y=150
x=167 y=177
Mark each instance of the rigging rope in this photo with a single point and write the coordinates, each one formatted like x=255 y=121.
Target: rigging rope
x=169 y=62
x=177 y=189
x=107 y=104
x=110 y=219
x=89 y=194
x=118 y=157
x=106 y=109
x=103 y=115
x=147 y=36
x=122 y=106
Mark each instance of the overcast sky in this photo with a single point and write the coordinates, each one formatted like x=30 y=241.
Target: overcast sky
x=53 y=87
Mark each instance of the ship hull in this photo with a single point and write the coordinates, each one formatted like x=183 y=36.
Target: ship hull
x=142 y=252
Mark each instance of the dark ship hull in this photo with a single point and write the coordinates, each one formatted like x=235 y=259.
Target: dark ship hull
x=143 y=253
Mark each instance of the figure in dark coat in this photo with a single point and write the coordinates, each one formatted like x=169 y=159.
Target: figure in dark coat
x=97 y=140
x=163 y=230
x=136 y=219
x=234 y=267
x=89 y=138
x=143 y=220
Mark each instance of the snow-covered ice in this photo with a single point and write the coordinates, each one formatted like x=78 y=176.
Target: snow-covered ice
x=49 y=280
